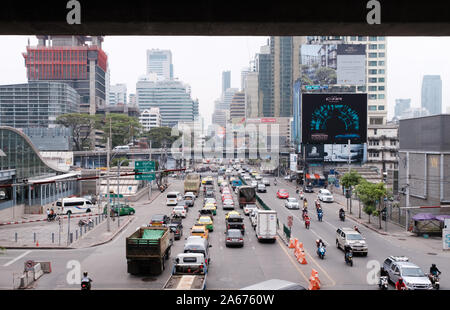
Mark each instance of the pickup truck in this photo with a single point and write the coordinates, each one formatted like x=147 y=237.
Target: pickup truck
x=147 y=249
x=189 y=273
x=192 y=183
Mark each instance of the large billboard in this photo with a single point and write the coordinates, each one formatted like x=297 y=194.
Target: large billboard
x=341 y=153
x=334 y=118
x=351 y=64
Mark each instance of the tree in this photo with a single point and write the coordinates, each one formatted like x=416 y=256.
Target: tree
x=326 y=76
x=116 y=161
x=82 y=126
x=371 y=194
x=161 y=135
x=123 y=128
x=349 y=180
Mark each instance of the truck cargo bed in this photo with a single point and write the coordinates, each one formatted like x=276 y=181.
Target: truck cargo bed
x=185 y=282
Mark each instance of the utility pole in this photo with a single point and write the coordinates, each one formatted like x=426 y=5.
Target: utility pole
x=107 y=188
x=151 y=182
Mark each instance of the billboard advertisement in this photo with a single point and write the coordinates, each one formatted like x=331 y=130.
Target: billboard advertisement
x=340 y=153
x=293 y=162
x=314 y=153
x=318 y=64
x=351 y=64
x=334 y=118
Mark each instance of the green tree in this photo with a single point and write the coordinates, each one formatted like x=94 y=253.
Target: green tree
x=116 y=161
x=326 y=76
x=371 y=195
x=349 y=180
x=123 y=128
x=82 y=126
x=161 y=135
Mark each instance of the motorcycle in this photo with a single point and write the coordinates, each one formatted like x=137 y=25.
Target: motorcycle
x=349 y=258
x=86 y=222
x=53 y=218
x=383 y=284
x=85 y=286
x=307 y=223
x=302 y=196
x=275 y=183
x=320 y=216
x=342 y=216
x=321 y=252
x=304 y=214
x=434 y=278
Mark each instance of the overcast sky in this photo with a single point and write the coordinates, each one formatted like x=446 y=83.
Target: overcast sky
x=199 y=61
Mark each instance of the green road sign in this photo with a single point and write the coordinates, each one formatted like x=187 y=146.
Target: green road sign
x=145 y=177
x=145 y=165
x=114 y=195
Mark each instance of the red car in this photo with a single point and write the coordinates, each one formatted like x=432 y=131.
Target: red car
x=282 y=194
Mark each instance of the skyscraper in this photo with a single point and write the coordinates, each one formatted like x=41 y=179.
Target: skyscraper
x=432 y=94
x=170 y=96
x=160 y=62
x=226 y=81
x=251 y=95
x=117 y=94
x=71 y=60
x=244 y=73
x=263 y=64
x=237 y=106
x=401 y=105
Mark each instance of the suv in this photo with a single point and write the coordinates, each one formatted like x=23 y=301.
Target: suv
x=349 y=236
x=413 y=276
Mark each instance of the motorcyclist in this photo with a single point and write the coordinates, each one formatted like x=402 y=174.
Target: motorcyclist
x=307 y=221
x=348 y=253
x=275 y=181
x=48 y=214
x=304 y=212
x=297 y=190
x=356 y=228
x=383 y=273
x=434 y=270
x=400 y=285
x=341 y=213
x=317 y=203
x=319 y=214
x=320 y=243
x=305 y=203
x=86 y=280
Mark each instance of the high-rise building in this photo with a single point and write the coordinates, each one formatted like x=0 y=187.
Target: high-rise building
x=132 y=99
x=117 y=94
x=160 y=62
x=107 y=85
x=401 y=105
x=263 y=64
x=150 y=118
x=226 y=81
x=36 y=104
x=170 y=96
x=414 y=112
x=220 y=117
x=227 y=97
x=71 y=60
x=244 y=73
x=237 y=107
x=432 y=94
x=251 y=95
x=376 y=73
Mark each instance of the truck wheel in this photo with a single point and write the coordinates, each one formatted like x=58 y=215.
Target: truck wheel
x=167 y=254
x=163 y=265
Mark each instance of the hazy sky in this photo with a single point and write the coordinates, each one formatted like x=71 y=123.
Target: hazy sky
x=199 y=61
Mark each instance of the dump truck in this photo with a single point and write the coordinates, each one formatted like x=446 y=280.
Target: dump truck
x=246 y=195
x=192 y=183
x=189 y=273
x=147 y=249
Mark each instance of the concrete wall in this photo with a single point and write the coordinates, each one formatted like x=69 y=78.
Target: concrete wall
x=12 y=213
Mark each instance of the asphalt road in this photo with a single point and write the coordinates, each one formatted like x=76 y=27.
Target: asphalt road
x=231 y=268
x=333 y=270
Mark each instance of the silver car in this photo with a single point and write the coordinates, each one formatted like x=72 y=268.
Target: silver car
x=412 y=275
x=292 y=203
x=234 y=237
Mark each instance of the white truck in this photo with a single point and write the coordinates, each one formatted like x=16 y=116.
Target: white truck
x=266 y=225
x=189 y=273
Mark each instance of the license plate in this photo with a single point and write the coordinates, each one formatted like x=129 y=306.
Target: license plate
x=235 y=240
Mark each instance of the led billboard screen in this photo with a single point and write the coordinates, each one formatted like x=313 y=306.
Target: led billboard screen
x=334 y=118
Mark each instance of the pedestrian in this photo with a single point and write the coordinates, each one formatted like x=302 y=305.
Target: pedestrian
x=48 y=213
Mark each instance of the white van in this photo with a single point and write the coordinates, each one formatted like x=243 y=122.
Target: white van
x=74 y=205
x=122 y=147
x=173 y=198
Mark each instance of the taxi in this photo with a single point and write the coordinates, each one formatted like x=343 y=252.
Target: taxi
x=232 y=213
x=205 y=221
x=212 y=207
x=199 y=230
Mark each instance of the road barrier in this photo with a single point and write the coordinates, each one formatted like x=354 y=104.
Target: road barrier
x=45 y=219
x=314 y=282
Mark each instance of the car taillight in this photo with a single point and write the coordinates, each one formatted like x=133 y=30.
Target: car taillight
x=243 y=226
x=228 y=239
x=161 y=222
x=240 y=239
x=206 y=260
x=228 y=226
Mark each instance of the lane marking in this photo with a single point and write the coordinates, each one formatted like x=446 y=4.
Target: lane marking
x=292 y=261
x=17 y=258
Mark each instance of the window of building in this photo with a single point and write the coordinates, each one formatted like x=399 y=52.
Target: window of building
x=372 y=71
x=372 y=88
x=362 y=38
x=381 y=71
x=372 y=38
x=381 y=80
x=393 y=142
x=373 y=46
x=380 y=87
x=353 y=38
x=372 y=96
x=376 y=121
x=372 y=107
x=381 y=108
x=381 y=55
x=381 y=38
x=361 y=88
x=380 y=96
x=381 y=46
x=372 y=80
x=381 y=63
x=372 y=63
x=372 y=55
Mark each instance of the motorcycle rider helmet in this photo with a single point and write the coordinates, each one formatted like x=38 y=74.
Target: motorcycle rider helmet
x=85 y=274
x=433 y=265
x=400 y=279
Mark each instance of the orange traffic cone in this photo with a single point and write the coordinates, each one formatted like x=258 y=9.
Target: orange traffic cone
x=302 y=259
x=295 y=242
x=300 y=245
x=312 y=284
x=314 y=273
x=291 y=243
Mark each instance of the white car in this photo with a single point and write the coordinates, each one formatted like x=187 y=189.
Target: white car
x=228 y=204
x=325 y=195
x=179 y=210
x=247 y=177
x=254 y=184
x=190 y=194
x=253 y=217
x=249 y=209
x=266 y=181
x=173 y=198
x=210 y=200
x=258 y=177
x=292 y=203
